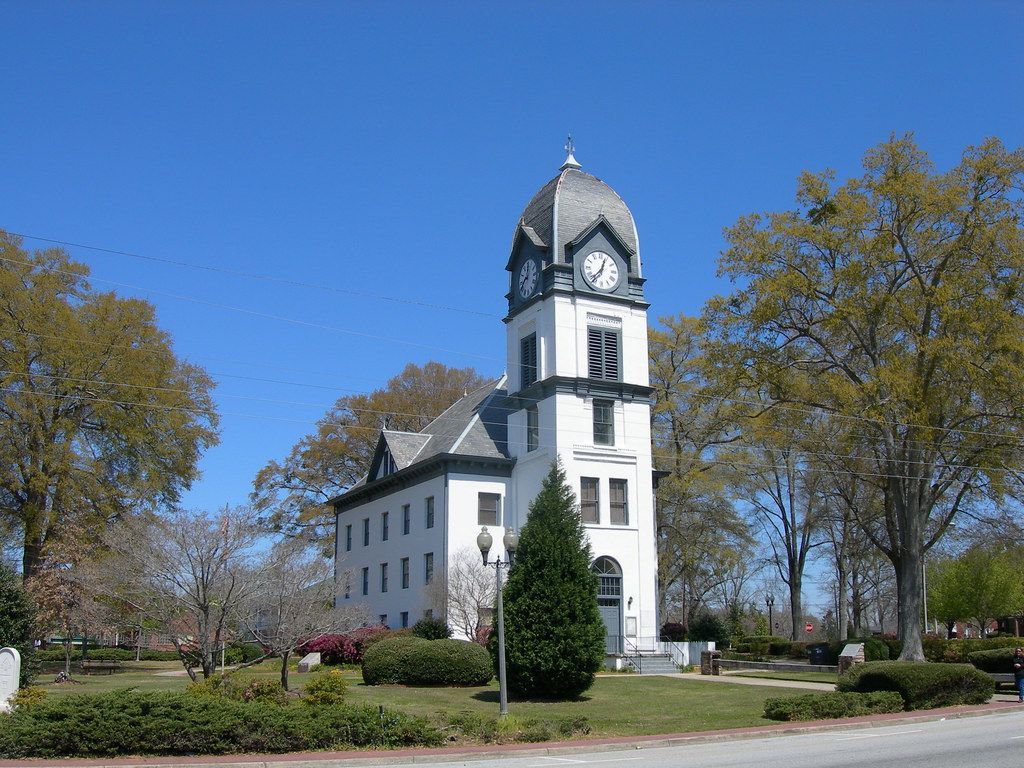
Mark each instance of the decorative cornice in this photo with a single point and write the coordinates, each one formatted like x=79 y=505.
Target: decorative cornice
x=619 y=390
x=435 y=466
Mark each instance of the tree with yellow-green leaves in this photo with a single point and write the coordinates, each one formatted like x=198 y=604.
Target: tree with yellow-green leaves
x=291 y=495
x=101 y=419
x=890 y=307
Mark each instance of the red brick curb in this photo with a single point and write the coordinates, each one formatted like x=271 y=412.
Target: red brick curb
x=440 y=754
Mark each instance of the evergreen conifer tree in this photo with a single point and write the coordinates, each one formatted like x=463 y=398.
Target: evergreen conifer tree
x=554 y=635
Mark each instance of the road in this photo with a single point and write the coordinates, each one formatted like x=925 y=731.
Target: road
x=989 y=740
x=986 y=740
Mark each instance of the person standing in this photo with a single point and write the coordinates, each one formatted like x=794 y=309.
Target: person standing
x=1018 y=672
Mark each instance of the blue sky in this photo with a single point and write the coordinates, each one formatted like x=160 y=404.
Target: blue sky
x=387 y=149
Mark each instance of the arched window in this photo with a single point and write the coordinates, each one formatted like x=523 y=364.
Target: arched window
x=609 y=577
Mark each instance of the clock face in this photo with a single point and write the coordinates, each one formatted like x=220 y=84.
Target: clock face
x=527 y=278
x=600 y=270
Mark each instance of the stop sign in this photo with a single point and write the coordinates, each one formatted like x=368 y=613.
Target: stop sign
x=808 y=627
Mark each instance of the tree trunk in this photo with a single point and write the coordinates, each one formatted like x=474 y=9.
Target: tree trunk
x=842 y=619
x=67 y=655
x=284 y=670
x=32 y=548
x=908 y=613
x=796 y=611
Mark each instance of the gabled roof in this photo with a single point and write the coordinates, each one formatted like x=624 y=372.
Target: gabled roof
x=474 y=427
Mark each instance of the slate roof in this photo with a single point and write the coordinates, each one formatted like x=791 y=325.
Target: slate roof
x=577 y=198
x=476 y=425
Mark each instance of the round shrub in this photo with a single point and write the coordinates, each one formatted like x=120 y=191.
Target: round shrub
x=431 y=629
x=923 y=685
x=709 y=628
x=446 y=662
x=384 y=661
x=826 y=706
x=326 y=688
x=242 y=653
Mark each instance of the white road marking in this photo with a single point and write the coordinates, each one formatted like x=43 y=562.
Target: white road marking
x=877 y=735
x=584 y=762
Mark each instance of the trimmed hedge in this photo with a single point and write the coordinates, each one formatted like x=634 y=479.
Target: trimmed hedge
x=415 y=661
x=996 y=660
x=161 y=723
x=384 y=661
x=921 y=684
x=448 y=662
x=831 y=705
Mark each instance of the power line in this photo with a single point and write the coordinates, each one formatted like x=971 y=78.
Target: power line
x=257 y=276
x=357 y=427
x=263 y=315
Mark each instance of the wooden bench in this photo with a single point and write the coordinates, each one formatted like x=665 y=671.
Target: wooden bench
x=110 y=667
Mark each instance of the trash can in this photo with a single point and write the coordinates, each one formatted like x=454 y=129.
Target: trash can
x=818 y=653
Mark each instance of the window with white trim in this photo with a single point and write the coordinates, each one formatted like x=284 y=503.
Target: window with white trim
x=604 y=422
x=589 y=500
x=488 y=509
x=532 y=428
x=617 y=502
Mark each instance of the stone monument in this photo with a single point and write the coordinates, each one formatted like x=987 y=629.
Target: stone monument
x=10 y=674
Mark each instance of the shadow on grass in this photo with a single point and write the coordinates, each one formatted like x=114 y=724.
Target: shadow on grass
x=493 y=697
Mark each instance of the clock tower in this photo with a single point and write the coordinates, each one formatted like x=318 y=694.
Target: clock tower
x=578 y=385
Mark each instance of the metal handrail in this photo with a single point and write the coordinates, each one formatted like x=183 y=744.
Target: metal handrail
x=634 y=659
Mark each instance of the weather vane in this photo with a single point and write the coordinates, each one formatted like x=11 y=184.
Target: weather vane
x=570 y=147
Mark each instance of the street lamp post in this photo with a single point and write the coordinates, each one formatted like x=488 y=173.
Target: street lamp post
x=511 y=542
x=769 y=600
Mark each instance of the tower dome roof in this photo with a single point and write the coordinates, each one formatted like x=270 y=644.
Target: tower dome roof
x=570 y=203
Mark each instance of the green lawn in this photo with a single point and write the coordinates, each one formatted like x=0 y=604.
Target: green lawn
x=616 y=705
x=805 y=677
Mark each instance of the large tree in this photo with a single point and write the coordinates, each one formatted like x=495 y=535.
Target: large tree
x=701 y=538
x=892 y=305
x=292 y=494
x=100 y=419
x=554 y=632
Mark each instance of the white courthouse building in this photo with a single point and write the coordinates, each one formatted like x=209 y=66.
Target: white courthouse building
x=576 y=387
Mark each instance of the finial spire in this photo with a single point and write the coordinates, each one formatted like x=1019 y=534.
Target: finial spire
x=570 y=161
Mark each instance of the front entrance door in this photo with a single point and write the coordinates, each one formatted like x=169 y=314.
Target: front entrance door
x=609 y=601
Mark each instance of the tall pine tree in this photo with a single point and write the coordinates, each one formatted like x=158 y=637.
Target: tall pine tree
x=554 y=636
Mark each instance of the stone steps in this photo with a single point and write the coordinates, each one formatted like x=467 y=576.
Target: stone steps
x=657 y=664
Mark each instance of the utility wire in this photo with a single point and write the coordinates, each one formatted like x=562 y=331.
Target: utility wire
x=257 y=276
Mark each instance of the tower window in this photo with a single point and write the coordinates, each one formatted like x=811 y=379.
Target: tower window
x=384 y=525
x=429 y=521
x=366 y=531
x=383 y=577
x=428 y=567
x=528 y=360
x=603 y=354
x=588 y=499
x=366 y=581
x=405 y=520
x=487 y=508
x=348 y=538
x=604 y=424
x=405 y=573
x=532 y=428
x=617 y=501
